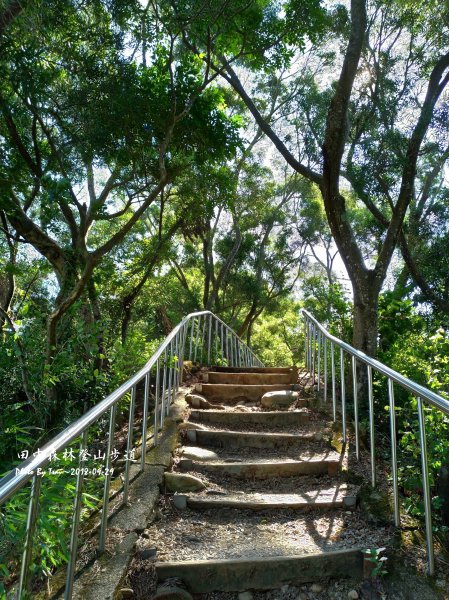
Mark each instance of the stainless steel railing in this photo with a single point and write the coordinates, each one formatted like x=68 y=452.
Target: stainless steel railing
x=199 y=336
x=317 y=339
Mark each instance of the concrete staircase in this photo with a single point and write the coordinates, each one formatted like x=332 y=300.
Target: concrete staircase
x=258 y=466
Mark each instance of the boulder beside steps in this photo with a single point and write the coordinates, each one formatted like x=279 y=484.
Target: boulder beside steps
x=255 y=433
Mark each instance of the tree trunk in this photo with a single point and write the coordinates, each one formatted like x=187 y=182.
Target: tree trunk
x=364 y=336
x=247 y=320
x=365 y=332
x=71 y=289
x=100 y=360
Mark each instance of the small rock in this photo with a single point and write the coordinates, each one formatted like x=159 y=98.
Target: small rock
x=126 y=593
x=191 y=435
x=302 y=596
x=188 y=425
x=350 y=501
x=316 y=588
x=180 y=501
x=185 y=464
x=147 y=553
x=197 y=401
x=280 y=399
x=178 y=482
x=245 y=596
x=353 y=595
x=198 y=454
x=318 y=436
x=171 y=592
x=193 y=538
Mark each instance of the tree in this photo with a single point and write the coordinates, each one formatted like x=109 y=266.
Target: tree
x=352 y=110
x=92 y=138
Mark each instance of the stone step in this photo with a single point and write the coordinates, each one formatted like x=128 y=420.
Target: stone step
x=238 y=575
x=230 y=393
x=250 y=439
x=269 y=418
x=266 y=469
x=290 y=370
x=250 y=378
x=336 y=497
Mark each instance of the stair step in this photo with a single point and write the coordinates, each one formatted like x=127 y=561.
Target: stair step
x=268 y=418
x=239 y=439
x=217 y=369
x=250 y=378
x=264 y=469
x=336 y=497
x=223 y=392
x=237 y=575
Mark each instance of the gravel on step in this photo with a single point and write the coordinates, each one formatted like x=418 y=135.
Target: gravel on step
x=324 y=590
x=306 y=452
x=228 y=533
x=281 y=485
x=311 y=427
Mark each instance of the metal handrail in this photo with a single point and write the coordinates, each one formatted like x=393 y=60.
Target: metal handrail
x=316 y=340
x=168 y=363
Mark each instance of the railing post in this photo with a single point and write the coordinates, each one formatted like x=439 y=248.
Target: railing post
x=310 y=347
x=146 y=399
x=306 y=343
x=334 y=392
x=75 y=522
x=426 y=487
x=177 y=362
x=371 y=425
x=325 y=369
x=216 y=340
x=191 y=338
x=356 y=407
x=313 y=353
x=129 y=444
x=33 y=507
x=222 y=343
x=170 y=394
x=209 y=341
x=182 y=351
x=236 y=356
x=343 y=394
x=107 y=481
x=156 y=403
x=198 y=324
x=164 y=388
x=203 y=339
x=394 y=460
x=319 y=360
